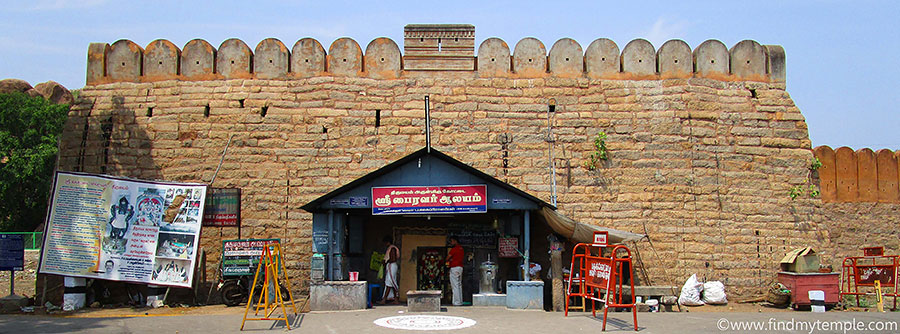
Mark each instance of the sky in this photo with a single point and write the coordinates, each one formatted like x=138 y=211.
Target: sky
x=842 y=56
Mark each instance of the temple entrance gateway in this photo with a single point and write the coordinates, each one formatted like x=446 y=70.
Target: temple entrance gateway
x=419 y=202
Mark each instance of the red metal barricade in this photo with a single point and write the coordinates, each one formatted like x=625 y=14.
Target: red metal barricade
x=863 y=271
x=601 y=278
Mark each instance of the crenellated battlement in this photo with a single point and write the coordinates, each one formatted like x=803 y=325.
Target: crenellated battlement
x=849 y=176
x=428 y=49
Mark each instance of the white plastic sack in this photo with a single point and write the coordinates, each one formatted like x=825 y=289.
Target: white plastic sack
x=73 y=301
x=714 y=293
x=690 y=292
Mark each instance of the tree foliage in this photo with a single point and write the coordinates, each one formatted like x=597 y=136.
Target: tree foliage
x=29 y=129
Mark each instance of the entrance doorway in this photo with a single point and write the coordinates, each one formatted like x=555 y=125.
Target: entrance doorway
x=409 y=258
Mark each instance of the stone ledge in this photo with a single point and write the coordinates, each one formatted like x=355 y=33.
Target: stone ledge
x=423 y=301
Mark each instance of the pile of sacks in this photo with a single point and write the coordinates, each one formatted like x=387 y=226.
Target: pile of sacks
x=695 y=293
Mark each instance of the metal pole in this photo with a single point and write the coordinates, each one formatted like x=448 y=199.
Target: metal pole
x=330 y=257
x=527 y=244
x=12 y=282
x=221 y=160
x=427 y=125
x=550 y=141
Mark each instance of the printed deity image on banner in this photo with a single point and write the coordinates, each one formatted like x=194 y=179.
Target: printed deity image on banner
x=149 y=207
x=172 y=271
x=121 y=215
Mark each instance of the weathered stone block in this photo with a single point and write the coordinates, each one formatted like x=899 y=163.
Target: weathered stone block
x=867 y=175
x=748 y=60
x=775 y=66
x=530 y=58
x=96 y=63
x=382 y=59
x=489 y=299
x=423 y=301
x=525 y=295
x=344 y=57
x=888 y=191
x=307 y=58
x=566 y=58
x=337 y=295
x=711 y=58
x=493 y=58
x=602 y=59
x=846 y=175
x=123 y=61
x=827 y=173
x=674 y=59
x=161 y=59
x=233 y=59
x=270 y=60
x=639 y=58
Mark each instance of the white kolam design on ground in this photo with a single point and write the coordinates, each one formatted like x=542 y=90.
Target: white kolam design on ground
x=425 y=322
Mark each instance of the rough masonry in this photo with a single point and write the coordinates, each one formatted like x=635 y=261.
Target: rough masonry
x=704 y=144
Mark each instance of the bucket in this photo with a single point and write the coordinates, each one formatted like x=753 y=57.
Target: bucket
x=354 y=276
x=653 y=305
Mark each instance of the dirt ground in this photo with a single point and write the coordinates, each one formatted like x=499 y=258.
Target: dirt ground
x=24 y=279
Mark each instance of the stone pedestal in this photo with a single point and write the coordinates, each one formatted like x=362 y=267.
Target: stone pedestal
x=488 y=299
x=337 y=295
x=12 y=303
x=525 y=295
x=423 y=301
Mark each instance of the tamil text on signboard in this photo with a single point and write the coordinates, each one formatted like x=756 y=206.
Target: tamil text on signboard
x=122 y=229
x=240 y=257
x=600 y=238
x=223 y=207
x=509 y=247
x=599 y=272
x=429 y=199
x=12 y=252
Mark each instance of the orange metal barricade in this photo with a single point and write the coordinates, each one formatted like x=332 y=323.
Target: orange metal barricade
x=601 y=278
x=864 y=271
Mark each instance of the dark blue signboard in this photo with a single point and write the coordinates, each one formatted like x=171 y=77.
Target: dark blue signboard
x=12 y=252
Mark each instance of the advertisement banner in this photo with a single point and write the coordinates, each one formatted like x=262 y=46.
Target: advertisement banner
x=223 y=207
x=241 y=257
x=429 y=199
x=122 y=229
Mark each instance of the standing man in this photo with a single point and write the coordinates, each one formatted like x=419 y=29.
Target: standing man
x=455 y=262
x=391 y=282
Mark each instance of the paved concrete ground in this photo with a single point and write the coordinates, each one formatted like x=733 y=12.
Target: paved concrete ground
x=489 y=320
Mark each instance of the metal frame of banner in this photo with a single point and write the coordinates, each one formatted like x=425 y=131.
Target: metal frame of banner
x=593 y=282
x=854 y=266
x=272 y=265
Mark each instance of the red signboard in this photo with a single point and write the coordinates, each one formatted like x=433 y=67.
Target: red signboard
x=600 y=238
x=429 y=199
x=598 y=271
x=509 y=247
x=866 y=275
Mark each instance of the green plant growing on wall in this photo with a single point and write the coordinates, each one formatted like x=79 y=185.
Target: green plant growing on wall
x=600 y=153
x=807 y=187
x=815 y=164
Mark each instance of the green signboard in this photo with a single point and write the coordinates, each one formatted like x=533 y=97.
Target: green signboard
x=241 y=256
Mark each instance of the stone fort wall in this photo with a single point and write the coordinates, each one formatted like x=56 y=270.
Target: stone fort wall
x=704 y=144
